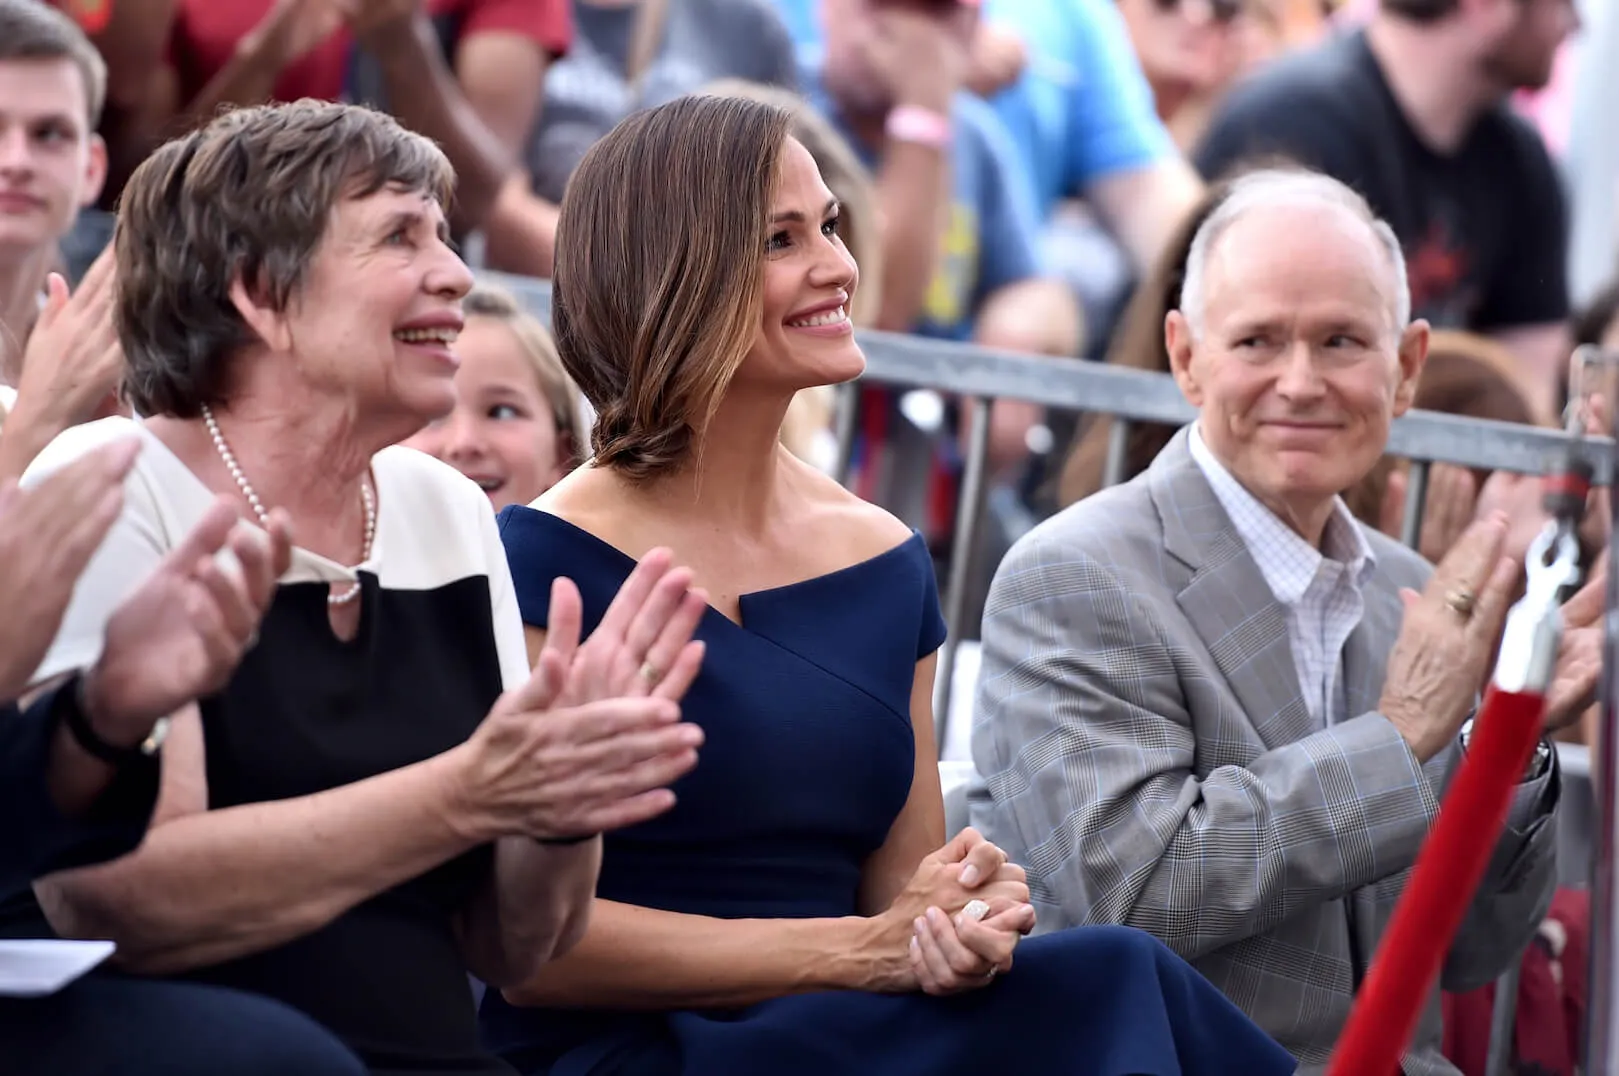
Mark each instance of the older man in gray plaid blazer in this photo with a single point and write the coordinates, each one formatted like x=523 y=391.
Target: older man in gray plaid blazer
x=1193 y=714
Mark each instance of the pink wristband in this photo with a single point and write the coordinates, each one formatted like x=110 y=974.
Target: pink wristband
x=923 y=126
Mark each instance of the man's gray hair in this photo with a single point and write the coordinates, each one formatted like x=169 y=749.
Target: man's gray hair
x=1293 y=188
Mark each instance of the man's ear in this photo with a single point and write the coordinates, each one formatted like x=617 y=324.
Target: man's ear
x=1413 y=355
x=1180 y=345
x=95 y=171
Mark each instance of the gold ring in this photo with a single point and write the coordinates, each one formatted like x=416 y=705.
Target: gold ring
x=650 y=673
x=1461 y=600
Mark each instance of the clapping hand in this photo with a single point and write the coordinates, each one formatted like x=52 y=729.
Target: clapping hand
x=538 y=769
x=1596 y=528
x=1579 y=652
x=643 y=645
x=292 y=29
x=1521 y=498
x=73 y=358
x=594 y=738
x=47 y=536
x=918 y=55
x=372 y=21
x=1446 y=639
x=181 y=634
x=996 y=59
x=71 y=365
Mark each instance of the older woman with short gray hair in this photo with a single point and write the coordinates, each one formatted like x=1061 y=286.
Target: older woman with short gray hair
x=383 y=797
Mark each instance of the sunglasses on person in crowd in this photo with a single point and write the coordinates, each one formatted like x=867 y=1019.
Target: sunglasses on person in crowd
x=1221 y=11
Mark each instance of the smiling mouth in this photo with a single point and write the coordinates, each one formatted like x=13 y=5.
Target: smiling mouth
x=835 y=316
x=443 y=336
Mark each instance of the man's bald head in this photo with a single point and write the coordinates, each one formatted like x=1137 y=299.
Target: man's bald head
x=1293 y=191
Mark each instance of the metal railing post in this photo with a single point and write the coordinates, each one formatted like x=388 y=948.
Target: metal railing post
x=1602 y=1009
x=1416 y=502
x=969 y=516
x=844 y=417
x=1118 y=451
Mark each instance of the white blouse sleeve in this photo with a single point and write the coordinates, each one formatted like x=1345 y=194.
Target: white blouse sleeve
x=508 y=621
x=132 y=549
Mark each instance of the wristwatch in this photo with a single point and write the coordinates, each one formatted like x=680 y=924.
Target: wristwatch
x=1539 y=762
x=75 y=711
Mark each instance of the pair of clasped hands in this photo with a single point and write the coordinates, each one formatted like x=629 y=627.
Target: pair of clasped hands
x=965 y=909
x=613 y=740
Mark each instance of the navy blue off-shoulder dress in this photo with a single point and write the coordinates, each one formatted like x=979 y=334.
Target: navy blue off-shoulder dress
x=808 y=759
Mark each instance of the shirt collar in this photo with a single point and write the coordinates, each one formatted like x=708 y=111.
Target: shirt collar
x=1288 y=574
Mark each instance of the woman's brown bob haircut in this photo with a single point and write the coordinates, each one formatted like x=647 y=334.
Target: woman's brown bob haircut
x=248 y=197
x=659 y=256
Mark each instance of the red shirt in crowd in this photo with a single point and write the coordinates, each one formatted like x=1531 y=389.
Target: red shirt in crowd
x=206 y=33
x=91 y=15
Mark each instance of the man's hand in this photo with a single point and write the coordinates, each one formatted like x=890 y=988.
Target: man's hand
x=73 y=359
x=920 y=57
x=71 y=366
x=1579 y=652
x=380 y=23
x=996 y=60
x=1521 y=498
x=292 y=29
x=1447 y=637
x=180 y=636
x=47 y=536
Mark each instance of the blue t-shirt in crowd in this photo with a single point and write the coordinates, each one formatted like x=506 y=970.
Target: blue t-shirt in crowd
x=992 y=236
x=803 y=21
x=1082 y=110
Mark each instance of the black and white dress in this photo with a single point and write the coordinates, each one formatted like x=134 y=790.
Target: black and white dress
x=439 y=638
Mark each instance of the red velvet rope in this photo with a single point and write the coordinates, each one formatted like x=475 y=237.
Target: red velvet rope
x=1448 y=870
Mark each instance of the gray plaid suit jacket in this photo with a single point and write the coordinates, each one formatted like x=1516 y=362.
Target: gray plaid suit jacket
x=1147 y=755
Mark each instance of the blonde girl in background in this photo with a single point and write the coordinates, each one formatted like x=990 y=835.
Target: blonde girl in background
x=515 y=427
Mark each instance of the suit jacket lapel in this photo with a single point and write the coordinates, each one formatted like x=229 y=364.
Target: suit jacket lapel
x=1227 y=600
x=1367 y=650
x=1365 y=665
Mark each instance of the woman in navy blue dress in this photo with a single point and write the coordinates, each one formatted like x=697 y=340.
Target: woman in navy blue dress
x=798 y=911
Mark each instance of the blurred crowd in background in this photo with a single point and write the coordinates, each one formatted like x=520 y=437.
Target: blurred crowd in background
x=1015 y=173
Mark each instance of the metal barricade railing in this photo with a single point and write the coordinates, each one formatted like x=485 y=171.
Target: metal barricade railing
x=978 y=376
x=1130 y=396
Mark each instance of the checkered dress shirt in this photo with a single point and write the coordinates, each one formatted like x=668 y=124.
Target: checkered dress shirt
x=1321 y=591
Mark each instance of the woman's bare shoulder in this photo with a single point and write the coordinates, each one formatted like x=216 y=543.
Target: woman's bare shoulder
x=580 y=496
x=593 y=501
x=862 y=528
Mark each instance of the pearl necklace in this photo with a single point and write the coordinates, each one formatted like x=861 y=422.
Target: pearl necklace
x=253 y=501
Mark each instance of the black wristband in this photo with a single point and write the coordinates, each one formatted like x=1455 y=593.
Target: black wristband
x=563 y=842
x=74 y=713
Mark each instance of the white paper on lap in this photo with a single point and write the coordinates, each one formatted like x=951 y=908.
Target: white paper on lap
x=36 y=967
